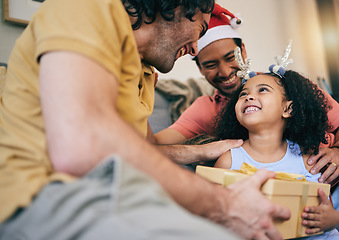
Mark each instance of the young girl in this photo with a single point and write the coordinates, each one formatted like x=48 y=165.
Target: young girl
x=281 y=116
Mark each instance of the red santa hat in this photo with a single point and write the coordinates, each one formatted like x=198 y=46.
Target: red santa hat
x=220 y=27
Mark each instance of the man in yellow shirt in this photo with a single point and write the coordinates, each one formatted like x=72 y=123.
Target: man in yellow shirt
x=76 y=101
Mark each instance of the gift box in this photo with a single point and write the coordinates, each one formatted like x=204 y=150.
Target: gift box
x=286 y=190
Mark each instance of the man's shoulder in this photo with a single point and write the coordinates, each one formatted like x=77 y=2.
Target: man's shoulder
x=205 y=99
x=215 y=99
x=202 y=108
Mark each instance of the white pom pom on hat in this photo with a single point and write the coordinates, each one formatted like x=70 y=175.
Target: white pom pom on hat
x=236 y=22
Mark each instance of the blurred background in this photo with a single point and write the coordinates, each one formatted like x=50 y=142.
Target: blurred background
x=313 y=25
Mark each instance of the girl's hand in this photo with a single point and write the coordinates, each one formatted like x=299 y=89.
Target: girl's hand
x=322 y=217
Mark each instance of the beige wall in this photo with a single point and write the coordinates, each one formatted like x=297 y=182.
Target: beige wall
x=268 y=26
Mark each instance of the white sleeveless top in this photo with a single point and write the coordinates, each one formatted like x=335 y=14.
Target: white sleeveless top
x=292 y=162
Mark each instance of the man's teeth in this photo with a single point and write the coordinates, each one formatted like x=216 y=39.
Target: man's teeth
x=228 y=80
x=182 y=52
x=251 y=109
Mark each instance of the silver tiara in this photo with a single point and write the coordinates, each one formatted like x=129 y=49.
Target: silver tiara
x=282 y=62
x=245 y=73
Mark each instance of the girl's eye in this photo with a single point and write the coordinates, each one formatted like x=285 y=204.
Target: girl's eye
x=242 y=94
x=263 y=89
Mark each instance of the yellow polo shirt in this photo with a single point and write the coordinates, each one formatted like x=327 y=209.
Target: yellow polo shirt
x=102 y=31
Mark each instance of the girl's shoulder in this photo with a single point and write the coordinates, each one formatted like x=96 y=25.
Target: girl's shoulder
x=224 y=161
x=297 y=148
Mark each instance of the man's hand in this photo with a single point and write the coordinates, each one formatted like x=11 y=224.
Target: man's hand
x=329 y=158
x=247 y=212
x=213 y=150
x=187 y=154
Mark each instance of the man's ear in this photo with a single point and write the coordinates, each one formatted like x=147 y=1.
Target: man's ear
x=287 y=109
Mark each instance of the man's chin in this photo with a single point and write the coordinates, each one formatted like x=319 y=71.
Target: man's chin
x=163 y=68
x=228 y=92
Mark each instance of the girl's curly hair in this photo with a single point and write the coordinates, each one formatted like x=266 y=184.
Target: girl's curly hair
x=166 y=8
x=306 y=126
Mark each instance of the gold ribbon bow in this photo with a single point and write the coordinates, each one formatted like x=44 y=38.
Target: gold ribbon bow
x=250 y=170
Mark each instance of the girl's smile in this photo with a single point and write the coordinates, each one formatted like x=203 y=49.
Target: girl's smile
x=261 y=102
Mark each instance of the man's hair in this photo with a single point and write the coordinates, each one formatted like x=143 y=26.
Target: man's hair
x=146 y=10
x=306 y=126
x=237 y=42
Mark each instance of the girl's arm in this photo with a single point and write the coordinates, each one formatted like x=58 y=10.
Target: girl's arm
x=322 y=217
x=224 y=161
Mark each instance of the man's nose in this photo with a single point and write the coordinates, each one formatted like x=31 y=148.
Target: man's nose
x=225 y=69
x=193 y=49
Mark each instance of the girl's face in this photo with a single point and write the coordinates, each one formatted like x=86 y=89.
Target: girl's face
x=262 y=103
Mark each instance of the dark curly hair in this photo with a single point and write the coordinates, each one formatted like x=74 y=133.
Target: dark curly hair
x=306 y=126
x=166 y=8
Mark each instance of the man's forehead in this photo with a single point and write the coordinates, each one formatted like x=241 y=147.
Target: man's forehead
x=218 y=48
x=225 y=42
x=224 y=45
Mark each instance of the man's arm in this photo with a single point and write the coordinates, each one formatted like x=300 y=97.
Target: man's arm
x=168 y=141
x=83 y=127
x=169 y=136
x=195 y=120
x=186 y=154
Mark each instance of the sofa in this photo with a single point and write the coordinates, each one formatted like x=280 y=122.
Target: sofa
x=173 y=97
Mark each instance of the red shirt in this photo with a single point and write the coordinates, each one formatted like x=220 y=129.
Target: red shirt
x=198 y=118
